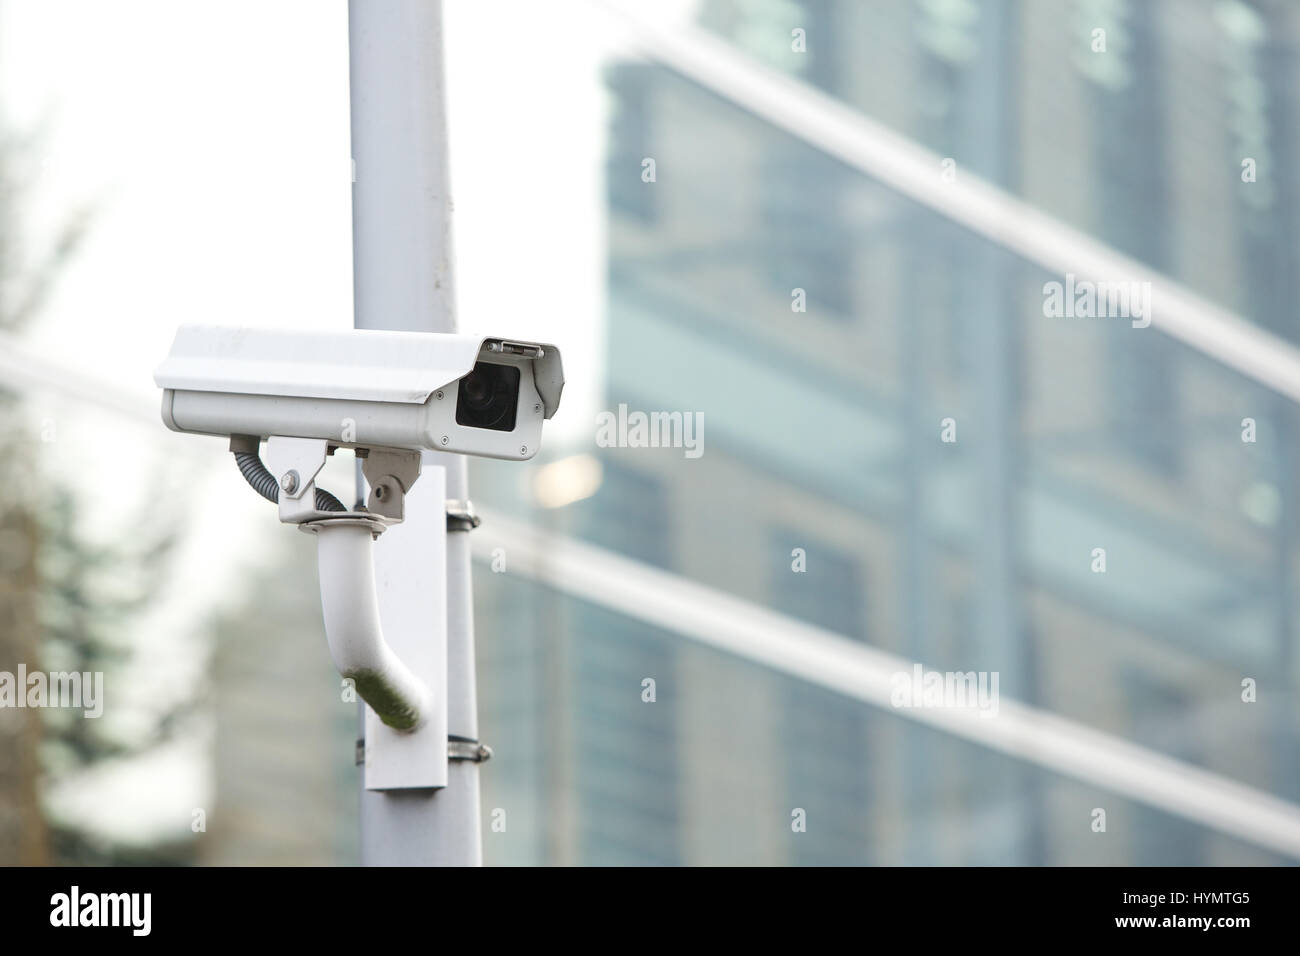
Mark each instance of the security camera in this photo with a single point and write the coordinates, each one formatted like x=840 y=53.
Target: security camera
x=363 y=389
x=388 y=395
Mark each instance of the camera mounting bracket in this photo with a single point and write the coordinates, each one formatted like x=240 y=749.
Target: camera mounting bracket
x=390 y=472
x=295 y=463
x=384 y=623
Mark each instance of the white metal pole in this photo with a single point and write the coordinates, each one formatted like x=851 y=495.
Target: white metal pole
x=402 y=279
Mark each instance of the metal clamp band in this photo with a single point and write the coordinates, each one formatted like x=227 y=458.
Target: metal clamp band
x=460 y=748
x=461 y=515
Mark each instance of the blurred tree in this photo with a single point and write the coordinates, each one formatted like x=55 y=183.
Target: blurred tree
x=90 y=593
x=23 y=837
x=22 y=832
x=64 y=602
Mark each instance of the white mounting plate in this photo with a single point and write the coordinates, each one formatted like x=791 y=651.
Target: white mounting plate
x=411 y=586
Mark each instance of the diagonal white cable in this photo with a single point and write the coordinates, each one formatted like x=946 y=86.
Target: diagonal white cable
x=792 y=647
x=23 y=369
x=898 y=162
x=866 y=674
x=800 y=650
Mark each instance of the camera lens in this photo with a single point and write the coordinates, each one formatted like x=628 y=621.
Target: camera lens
x=488 y=397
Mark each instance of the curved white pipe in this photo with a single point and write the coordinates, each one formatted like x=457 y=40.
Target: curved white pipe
x=345 y=553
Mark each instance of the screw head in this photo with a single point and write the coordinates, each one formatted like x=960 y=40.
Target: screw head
x=523 y=450
x=444 y=439
x=537 y=408
x=438 y=394
x=289 y=481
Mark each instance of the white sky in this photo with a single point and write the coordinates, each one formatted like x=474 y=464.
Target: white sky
x=211 y=138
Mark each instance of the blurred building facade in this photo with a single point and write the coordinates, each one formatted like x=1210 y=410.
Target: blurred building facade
x=823 y=431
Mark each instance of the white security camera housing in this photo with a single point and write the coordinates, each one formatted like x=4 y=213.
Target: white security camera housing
x=363 y=389
x=390 y=396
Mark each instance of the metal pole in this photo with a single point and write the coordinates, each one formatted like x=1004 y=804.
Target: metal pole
x=402 y=279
